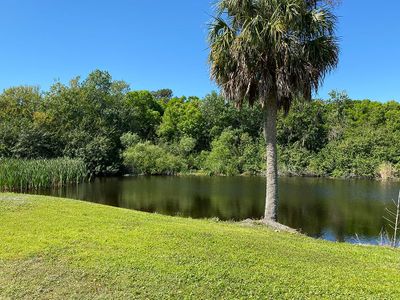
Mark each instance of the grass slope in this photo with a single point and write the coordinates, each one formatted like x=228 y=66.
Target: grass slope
x=57 y=248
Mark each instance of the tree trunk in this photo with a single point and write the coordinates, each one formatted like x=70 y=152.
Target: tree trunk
x=271 y=199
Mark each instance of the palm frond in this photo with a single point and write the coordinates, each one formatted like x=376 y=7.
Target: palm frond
x=271 y=48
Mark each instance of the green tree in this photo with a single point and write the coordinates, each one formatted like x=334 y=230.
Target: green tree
x=24 y=125
x=142 y=114
x=220 y=114
x=336 y=117
x=163 y=95
x=271 y=52
x=182 y=117
x=234 y=152
x=305 y=125
x=87 y=116
x=223 y=158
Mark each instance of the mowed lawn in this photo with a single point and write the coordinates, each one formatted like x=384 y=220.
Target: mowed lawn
x=55 y=248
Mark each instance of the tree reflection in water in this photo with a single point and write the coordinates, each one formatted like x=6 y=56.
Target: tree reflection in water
x=330 y=209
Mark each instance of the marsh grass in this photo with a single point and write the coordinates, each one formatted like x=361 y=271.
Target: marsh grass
x=25 y=175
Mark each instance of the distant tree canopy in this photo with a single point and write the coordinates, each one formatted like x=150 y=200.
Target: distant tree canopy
x=163 y=94
x=116 y=130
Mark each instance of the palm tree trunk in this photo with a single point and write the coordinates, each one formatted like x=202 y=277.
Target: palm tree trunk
x=271 y=200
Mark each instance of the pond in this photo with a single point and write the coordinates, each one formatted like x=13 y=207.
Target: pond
x=337 y=210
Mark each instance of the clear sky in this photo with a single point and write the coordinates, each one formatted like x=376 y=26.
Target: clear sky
x=155 y=44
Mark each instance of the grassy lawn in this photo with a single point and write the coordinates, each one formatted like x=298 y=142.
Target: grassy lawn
x=57 y=248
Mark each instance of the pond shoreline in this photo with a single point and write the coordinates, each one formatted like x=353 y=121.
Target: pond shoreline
x=331 y=209
x=281 y=175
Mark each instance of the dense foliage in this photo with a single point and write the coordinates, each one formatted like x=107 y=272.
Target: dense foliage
x=103 y=123
x=148 y=159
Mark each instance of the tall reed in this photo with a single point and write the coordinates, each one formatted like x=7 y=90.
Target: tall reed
x=25 y=175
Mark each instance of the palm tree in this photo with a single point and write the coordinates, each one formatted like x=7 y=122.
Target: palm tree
x=271 y=52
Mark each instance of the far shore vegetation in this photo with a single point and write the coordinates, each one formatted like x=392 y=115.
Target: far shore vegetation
x=108 y=127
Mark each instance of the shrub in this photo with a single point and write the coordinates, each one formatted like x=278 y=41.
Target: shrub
x=234 y=153
x=252 y=153
x=345 y=159
x=223 y=158
x=148 y=159
x=101 y=156
x=386 y=171
x=294 y=160
x=129 y=139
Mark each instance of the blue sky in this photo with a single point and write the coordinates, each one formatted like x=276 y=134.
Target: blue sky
x=155 y=44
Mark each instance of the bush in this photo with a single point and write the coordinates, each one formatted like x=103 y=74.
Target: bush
x=101 y=156
x=346 y=159
x=148 y=159
x=386 y=171
x=129 y=139
x=294 y=160
x=234 y=153
x=252 y=153
x=223 y=158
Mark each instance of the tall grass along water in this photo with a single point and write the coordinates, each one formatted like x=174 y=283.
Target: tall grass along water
x=23 y=174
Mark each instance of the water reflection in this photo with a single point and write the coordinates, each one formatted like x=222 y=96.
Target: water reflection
x=330 y=209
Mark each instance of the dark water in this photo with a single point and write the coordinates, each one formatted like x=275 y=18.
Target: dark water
x=337 y=210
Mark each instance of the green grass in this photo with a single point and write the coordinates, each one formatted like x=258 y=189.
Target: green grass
x=24 y=174
x=57 y=248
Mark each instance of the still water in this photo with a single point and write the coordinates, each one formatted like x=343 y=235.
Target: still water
x=338 y=210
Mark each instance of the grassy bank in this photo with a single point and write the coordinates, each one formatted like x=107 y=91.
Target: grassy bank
x=23 y=174
x=57 y=248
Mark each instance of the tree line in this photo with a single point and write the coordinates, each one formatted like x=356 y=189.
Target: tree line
x=116 y=130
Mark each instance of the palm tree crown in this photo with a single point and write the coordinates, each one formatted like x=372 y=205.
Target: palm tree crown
x=271 y=48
